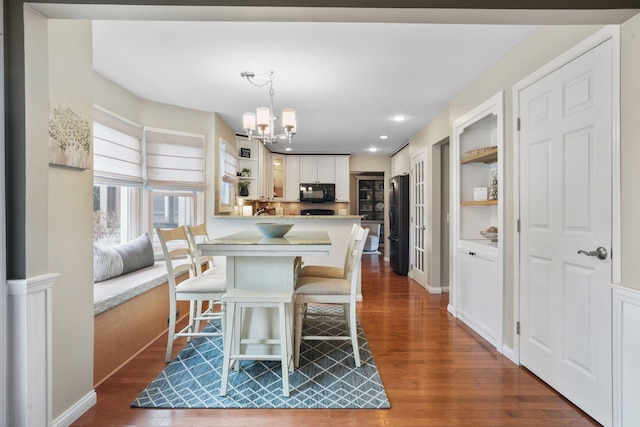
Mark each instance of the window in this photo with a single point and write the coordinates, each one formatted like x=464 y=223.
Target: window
x=174 y=178
x=229 y=179
x=167 y=166
x=117 y=163
x=173 y=209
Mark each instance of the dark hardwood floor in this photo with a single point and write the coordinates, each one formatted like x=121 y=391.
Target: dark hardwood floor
x=436 y=372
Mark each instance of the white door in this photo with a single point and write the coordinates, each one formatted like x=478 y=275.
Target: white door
x=418 y=229
x=565 y=207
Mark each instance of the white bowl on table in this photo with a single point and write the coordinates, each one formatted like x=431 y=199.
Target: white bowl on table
x=271 y=229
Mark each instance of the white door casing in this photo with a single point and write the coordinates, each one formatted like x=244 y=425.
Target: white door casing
x=565 y=171
x=418 y=224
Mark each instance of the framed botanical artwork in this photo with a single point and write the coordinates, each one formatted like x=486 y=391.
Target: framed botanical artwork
x=245 y=152
x=69 y=138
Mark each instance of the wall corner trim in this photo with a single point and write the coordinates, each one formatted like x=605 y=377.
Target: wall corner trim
x=31 y=284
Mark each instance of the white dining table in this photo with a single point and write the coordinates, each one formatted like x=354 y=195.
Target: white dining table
x=258 y=263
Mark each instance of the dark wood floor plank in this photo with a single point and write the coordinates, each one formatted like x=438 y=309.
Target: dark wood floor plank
x=437 y=372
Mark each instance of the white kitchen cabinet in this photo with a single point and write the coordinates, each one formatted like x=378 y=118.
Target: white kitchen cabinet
x=342 y=178
x=317 y=169
x=292 y=179
x=265 y=177
x=278 y=175
x=477 y=262
x=477 y=289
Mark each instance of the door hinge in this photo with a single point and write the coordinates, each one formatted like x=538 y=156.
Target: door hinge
x=518 y=225
x=518 y=328
x=518 y=124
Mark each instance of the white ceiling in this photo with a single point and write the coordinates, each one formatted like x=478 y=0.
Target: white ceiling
x=345 y=80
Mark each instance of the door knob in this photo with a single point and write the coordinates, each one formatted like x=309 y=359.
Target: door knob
x=600 y=252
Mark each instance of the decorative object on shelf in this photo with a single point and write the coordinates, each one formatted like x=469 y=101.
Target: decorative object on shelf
x=480 y=194
x=245 y=152
x=493 y=185
x=264 y=118
x=243 y=188
x=490 y=233
x=246 y=172
x=484 y=154
x=269 y=229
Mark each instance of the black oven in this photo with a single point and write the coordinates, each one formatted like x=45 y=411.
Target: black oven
x=317 y=193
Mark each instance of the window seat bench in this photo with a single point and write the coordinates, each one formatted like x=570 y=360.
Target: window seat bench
x=113 y=292
x=130 y=313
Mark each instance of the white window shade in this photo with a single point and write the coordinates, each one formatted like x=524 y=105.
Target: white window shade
x=117 y=153
x=229 y=163
x=174 y=160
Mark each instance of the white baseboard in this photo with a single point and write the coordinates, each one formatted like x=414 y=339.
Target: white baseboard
x=509 y=353
x=76 y=411
x=452 y=310
x=433 y=289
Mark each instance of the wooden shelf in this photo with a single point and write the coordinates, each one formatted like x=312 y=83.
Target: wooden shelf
x=490 y=155
x=480 y=203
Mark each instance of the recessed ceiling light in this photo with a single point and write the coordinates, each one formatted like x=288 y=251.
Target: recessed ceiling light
x=373 y=149
x=288 y=149
x=384 y=137
x=399 y=118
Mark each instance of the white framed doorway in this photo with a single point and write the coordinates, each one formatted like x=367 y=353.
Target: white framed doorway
x=567 y=196
x=418 y=230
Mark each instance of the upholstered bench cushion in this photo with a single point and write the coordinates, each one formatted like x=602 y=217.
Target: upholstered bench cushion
x=112 y=292
x=321 y=271
x=310 y=285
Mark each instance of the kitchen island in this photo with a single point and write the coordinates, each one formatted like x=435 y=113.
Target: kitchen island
x=338 y=227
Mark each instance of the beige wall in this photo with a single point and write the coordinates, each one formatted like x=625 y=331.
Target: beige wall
x=70 y=220
x=36 y=135
x=115 y=99
x=630 y=151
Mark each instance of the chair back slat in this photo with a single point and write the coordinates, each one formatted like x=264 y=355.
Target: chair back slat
x=355 y=256
x=198 y=234
x=177 y=254
x=352 y=236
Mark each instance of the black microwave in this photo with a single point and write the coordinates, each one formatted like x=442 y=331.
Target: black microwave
x=317 y=193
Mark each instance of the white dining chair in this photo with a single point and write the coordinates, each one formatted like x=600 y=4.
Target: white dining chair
x=328 y=270
x=332 y=291
x=199 y=234
x=195 y=289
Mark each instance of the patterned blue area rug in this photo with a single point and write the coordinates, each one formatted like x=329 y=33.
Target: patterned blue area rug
x=326 y=377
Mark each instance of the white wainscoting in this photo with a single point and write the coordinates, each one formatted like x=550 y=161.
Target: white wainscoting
x=626 y=357
x=30 y=351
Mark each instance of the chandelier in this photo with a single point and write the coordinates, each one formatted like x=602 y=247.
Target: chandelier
x=264 y=119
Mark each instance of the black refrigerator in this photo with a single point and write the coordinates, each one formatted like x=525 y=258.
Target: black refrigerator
x=399 y=224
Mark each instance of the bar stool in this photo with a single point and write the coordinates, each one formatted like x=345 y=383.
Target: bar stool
x=236 y=300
